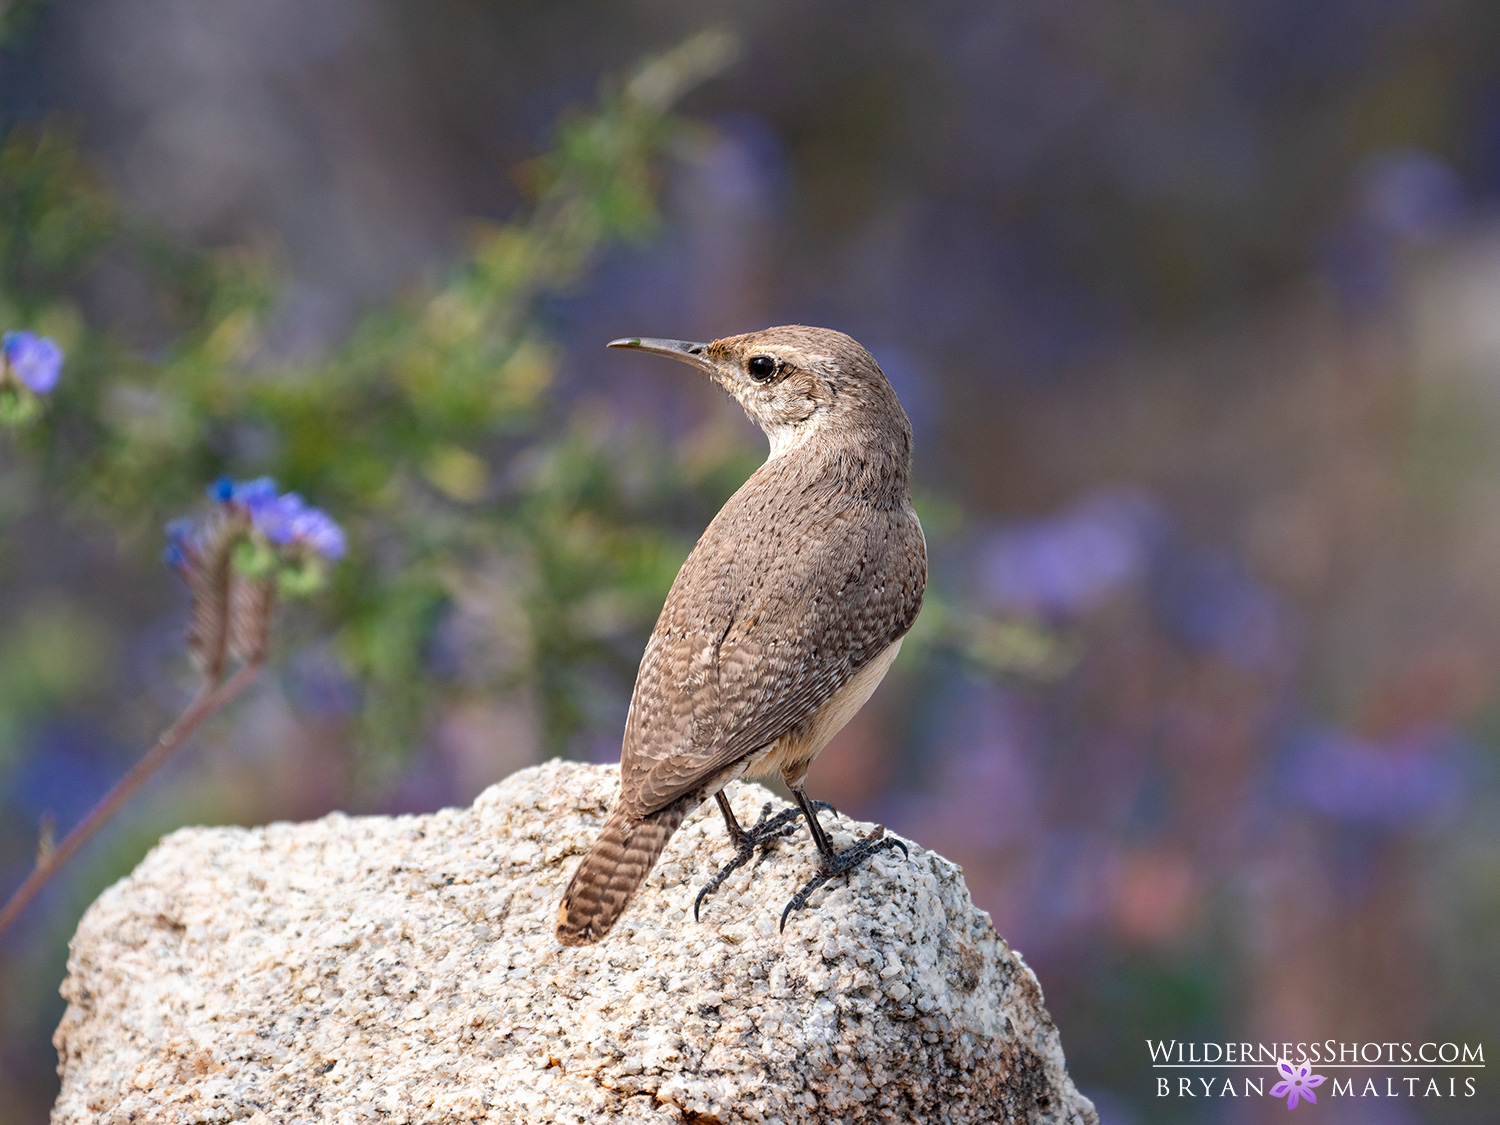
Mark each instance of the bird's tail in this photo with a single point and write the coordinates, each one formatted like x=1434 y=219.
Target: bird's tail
x=612 y=871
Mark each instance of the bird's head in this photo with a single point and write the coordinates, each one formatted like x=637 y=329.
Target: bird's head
x=794 y=382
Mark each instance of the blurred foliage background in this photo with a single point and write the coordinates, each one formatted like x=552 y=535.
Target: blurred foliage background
x=1196 y=311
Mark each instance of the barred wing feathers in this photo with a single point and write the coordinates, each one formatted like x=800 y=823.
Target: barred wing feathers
x=759 y=631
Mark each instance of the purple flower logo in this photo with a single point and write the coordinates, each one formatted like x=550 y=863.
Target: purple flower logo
x=35 y=360
x=1298 y=1082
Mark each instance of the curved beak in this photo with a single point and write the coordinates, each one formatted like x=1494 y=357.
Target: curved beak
x=684 y=350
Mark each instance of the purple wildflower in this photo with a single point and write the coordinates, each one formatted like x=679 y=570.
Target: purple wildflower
x=1070 y=563
x=1413 y=781
x=1298 y=1083
x=272 y=515
x=283 y=520
x=35 y=360
x=289 y=521
x=1410 y=195
x=1214 y=604
x=315 y=529
x=275 y=518
x=180 y=548
x=252 y=495
x=257 y=493
x=286 y=520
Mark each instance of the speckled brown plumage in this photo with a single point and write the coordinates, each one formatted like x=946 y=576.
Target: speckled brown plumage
x=809 y=573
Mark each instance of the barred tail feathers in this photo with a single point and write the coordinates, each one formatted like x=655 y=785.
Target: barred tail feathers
x=612 y=871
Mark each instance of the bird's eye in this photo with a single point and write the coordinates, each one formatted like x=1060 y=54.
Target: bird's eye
x=761 y=368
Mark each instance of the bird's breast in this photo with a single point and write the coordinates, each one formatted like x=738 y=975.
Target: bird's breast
x=792 y=753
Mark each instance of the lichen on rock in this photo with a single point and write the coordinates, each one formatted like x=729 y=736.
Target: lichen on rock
x=404 y=969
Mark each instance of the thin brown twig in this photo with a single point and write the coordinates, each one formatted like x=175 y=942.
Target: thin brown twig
x=205 y=704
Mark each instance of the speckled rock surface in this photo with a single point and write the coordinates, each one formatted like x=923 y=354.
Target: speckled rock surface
x=404 y=969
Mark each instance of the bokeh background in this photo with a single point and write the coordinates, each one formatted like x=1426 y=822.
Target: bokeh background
x=1196 y=312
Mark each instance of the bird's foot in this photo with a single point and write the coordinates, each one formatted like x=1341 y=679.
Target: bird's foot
x=841 y=863
x=760 y=834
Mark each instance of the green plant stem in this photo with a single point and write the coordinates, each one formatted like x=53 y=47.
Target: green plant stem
x=209 y=700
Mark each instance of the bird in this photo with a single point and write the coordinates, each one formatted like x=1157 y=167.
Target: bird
x=781 y=623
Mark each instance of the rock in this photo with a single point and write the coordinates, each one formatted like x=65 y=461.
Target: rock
x=404 y=969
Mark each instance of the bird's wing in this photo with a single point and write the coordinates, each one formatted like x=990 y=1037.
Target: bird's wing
x=761 y=629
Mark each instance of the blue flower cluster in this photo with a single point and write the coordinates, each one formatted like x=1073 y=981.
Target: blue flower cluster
x=180 y=535
x=35 y=360
x=284 y=520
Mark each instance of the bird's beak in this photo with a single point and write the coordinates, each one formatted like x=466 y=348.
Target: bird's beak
x=684 y=350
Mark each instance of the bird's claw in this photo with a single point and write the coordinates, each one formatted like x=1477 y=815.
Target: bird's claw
x=842 y=863
x=759 y=834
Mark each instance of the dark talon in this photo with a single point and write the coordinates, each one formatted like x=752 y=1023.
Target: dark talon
x=761 y=833
x=799 y=900
x=842 y=863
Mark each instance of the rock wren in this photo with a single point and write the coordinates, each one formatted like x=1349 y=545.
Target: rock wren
x=780 y=624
